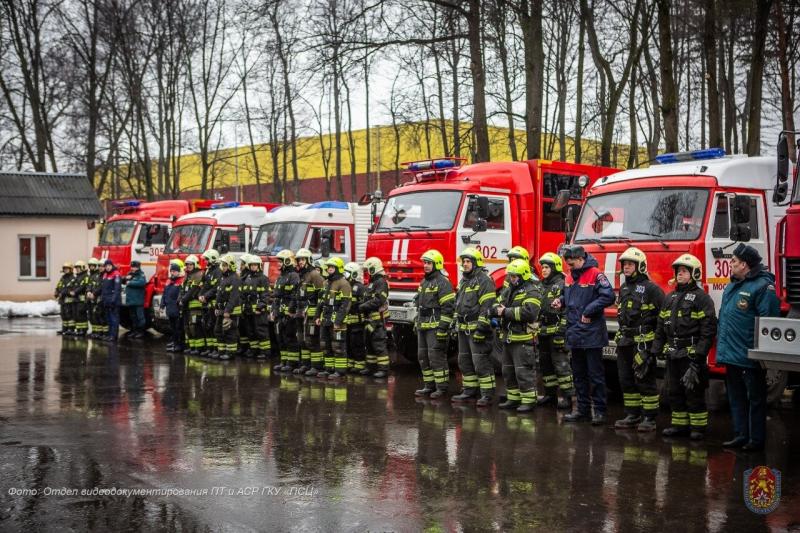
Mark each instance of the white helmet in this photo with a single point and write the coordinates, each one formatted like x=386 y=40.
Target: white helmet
x=352 y=271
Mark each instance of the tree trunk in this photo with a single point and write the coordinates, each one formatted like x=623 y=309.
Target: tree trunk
x=531 y=22
x=710 y=48
x=787 y=102
x=669 y=93
x=756 y=77
x=579 y=92
x=480 y=126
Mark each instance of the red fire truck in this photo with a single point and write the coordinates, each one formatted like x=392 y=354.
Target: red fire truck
x=702 y=202
x=448 y=206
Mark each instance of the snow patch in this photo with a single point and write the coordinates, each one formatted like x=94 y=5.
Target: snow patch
x=44 y=308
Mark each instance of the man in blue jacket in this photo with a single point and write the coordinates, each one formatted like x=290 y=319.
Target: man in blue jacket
x=587 y=294
x=110 y=298
x=135 y=283
x=750 y=294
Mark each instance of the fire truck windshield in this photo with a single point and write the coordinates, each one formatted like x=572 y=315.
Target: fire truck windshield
x=117 y=233
x=428 y=210
x=277 y=236
x=643 y=215
x=189 y=239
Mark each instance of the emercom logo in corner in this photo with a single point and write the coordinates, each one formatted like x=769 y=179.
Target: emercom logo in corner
x=762 y=489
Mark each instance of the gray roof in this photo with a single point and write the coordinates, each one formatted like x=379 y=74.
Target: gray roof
x=43 y=194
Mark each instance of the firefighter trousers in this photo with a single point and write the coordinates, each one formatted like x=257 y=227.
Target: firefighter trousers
x=246 y=331
x=334 y=347
x=81 y=316
x=287 y=339
x=356 y=349
x=209 y=327
x=195 y=332
x=67 y=314
x=311 y=353
x=554 y=366
x=97 y=319
x=227 y=339
x=640 y=396
x=260 y=338
x=432 y=355
x=375 y=340
x=688 y=406
x=518 y=371
x=475 y=363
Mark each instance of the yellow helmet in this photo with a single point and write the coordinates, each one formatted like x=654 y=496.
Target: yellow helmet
x=518 y=252
x=80 y=265
x=178 y=262
x=553 y=260
x=635 y=255
x=692 y=263
x=435 y=257
x=211 y=255
x=474 y=254
x=373 y=266
x=519 y=267
x=337 y=263
x=67 y=264
x=229 y=260
x=286 y=257
x=193 y=260
x=93 y=261
x=304 y=253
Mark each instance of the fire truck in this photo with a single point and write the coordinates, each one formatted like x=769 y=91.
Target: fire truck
x=702 y=202
x=448 y=206
x=776 y=344
x=329 y=228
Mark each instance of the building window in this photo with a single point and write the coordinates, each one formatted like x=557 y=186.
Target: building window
x=33 y=257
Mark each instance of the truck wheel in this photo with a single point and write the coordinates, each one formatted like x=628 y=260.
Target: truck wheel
x=776 y=384
x=161 y=326
x=405 y=344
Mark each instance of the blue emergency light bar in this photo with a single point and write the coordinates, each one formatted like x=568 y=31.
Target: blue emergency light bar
x=330 y=204
x=695 y=155
x=222 y=205
x=126 y=203
x=433 y=164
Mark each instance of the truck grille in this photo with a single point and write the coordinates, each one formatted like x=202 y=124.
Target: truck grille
x=793 y=281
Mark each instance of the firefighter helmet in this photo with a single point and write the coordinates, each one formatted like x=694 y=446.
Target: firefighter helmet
x=211 y=255
x=244 y=258
x=553 y=260
x=253 y=259
x=176 y=262
x=303 y=253
x=229 y=260
x=473 y=254
x=192 y=260
x=518 y=252
x=352 y=271
x=67 y=264
x=93 y=261
x=635 y=255
x=373 y=266
x=337 y=263
x=519 y=267
x=80 y=265
x=435 y=257
x=692 y=263
x=286 y=258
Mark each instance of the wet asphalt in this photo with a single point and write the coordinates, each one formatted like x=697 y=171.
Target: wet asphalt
x=131 y=438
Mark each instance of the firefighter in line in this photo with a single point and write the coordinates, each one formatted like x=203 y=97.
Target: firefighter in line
x=687 y=325
x=373 y=307
x=78 y=292
x=356 y=349
x=229 y=309
x=256 y=308
x=518 y=308
x=284 y=309
x=554 y=364
x=97 y=318
x=311 y=285
x=517 y=252
x=192 y=307
x=435 y=301
x=638 y=305
x=245 y=324
x=65 y=300
x=474 y=298
x=171 y=303
x=208 y=297
x=331 y=312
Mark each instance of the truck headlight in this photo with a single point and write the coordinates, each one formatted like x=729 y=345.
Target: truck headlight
x=775 y=334
x=790 y=335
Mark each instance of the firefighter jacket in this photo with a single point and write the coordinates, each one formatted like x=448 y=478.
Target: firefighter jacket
x=191 y=289
x=254 y=291
x=211 y=279
x=435 y=301
x=95 y=283
x=742 y=301
x=79 y=286
x=521 y=304
x=638 y=305
x=63 y=287
x=285 y=292
x=552 y=322
x=311 y=287
x=357 y=292
x=376 y=298
x=228 y=299
x=474 y=300
x=334 y=303
x=588 y=294
x=687 y=323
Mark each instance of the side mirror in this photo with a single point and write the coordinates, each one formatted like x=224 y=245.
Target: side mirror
x=139 y=248
x=740 y=233
x=223 y=249
x=570 y=218
x=240 y=228
x=561 y=200
x=741 y=210
x=782 y=184
x=479 y=226
x=325 y=242
x=483 y=207
x=366 y=199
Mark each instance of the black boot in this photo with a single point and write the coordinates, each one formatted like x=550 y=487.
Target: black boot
x=424 y=391
x=565 y=403
x=549 y=397
x=676 y=431
x=509 y=404
x=438 y=393
x=485 y=400
x=526 y=408
x=465 y=396
x=629 y=422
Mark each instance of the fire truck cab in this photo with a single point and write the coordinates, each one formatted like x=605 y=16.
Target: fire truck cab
x=493 y=206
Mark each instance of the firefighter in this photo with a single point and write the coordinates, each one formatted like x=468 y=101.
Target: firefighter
x=373 y=308
x=475 y=296
x=97 y=317
x=517 y=308
x=517 y=252
x=245 y=323
x=553 y=356
x=171 y=303
x=311 y=285
x=284 y=309
x=64 y=299
x=687 y=325
x=435 y=301
x=331 y=312
x=208 y=296
x=256 y=308
x=229 y=309
x=638 y=304
x=192 y=307
x=356 y=349
x=78 y=292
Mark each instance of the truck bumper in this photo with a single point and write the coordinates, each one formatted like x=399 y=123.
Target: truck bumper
x=776 y=345
x=401 y=307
